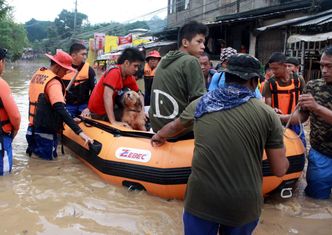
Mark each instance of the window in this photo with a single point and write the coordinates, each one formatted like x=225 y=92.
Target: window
x=171 y=5
x=186 y=4
x=177 y=5
x=182 y=5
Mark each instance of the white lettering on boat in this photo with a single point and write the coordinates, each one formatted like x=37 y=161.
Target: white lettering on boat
x=137 y=155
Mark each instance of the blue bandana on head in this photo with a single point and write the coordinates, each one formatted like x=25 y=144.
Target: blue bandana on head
x=225 y=98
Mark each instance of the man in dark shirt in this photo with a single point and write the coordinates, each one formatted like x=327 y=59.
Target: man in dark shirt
x=78 y=94
x=316 y=103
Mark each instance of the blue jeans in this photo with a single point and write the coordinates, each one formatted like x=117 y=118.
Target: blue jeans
x=6 y=156
x=75 y=110
x=194 y=225
x=319 y=175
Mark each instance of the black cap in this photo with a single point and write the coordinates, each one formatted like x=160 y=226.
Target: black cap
x=245 y=66
x=293 y=60
x=3 y=53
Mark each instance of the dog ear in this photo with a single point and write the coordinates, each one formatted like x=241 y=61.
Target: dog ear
x=139 y=103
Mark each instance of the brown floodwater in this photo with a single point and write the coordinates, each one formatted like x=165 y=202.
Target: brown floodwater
x=65 y=197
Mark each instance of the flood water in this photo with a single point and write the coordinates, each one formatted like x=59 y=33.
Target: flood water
x=65 y=197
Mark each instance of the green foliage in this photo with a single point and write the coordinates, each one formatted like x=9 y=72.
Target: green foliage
x=13 y=37
x=37 y=30
x=47 y=36
x=4 y=9
x=64 y=23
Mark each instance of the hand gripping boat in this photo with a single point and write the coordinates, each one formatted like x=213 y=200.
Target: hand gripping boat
x=127 y=158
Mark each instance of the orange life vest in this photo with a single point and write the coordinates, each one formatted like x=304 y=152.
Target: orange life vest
x=6 y=126
x=38 y=103
x=285 y=98
x=82 y=75
x=148 y=72
x=80 y=91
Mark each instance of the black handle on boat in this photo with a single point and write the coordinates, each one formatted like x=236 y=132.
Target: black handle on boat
x=117 y=132
x=95 y=147
x=114 y=131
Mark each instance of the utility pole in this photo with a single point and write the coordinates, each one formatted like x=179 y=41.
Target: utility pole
x=75 y=18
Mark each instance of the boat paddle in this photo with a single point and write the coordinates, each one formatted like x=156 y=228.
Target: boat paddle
x=70 y=84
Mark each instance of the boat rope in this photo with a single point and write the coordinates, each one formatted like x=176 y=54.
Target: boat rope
x=289 y=122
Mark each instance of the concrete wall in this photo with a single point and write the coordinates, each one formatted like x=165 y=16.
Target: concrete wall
x=208 y=10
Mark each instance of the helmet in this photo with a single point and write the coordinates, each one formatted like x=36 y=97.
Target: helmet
x=63 y=59
x=153 y=54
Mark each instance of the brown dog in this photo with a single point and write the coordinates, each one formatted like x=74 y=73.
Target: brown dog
x=133 y=112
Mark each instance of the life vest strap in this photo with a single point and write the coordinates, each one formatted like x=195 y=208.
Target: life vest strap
x=275 y=91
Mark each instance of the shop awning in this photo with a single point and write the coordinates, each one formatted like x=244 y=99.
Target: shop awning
x=320 y=18
x=318 y=21
x=309 y=38
x=159 y=44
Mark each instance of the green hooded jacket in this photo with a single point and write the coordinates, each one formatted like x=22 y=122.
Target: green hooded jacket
x=178 y=80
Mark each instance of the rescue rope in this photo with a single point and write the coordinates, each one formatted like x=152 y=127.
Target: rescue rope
x=289 y=121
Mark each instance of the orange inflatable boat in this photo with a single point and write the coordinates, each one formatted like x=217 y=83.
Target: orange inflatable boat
x=127 y=158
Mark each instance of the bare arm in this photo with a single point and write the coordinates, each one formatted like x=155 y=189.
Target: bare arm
x=308 y=103
x=109 y=106
x=172 y=129
x=268 y=101
x=278 y=161
x=298 y=115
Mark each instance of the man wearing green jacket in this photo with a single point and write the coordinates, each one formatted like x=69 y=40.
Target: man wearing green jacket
x=178 y=78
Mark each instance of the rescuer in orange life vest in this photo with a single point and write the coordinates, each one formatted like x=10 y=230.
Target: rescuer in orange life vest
x=152 y=60
x=47 y=110
x=77 y=97
x=10 y=120
x=283 y=89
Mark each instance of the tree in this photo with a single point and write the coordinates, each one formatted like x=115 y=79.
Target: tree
x=13 y=37
x=4 y=9
x=37 y=30
x=64 y=23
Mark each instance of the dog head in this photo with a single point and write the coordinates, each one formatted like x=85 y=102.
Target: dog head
x=131 y=100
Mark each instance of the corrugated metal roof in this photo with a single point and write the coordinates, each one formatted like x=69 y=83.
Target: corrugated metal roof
x=320 y=20
x=309 y=38
x=326 y=21
x=159 y=44
x=298 y=21
x=267 y=11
